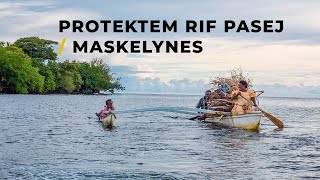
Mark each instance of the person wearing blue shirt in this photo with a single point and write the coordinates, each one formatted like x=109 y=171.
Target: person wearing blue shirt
x=224 y=88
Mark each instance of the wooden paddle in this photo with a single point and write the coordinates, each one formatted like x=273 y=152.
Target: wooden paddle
x=275 y=120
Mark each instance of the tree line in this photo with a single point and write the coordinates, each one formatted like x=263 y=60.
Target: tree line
x=30 y=65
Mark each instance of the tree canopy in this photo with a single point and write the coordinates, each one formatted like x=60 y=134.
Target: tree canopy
x=37 y=48
x=30 y=65
x=17 y=73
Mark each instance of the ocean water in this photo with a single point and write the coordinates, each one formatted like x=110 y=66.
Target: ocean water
x=59 y=137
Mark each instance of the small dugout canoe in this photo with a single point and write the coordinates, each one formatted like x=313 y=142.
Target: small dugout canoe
x=109 y=120
x=250 y=121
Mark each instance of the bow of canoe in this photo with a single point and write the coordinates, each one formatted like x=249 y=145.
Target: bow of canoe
x=108 y=120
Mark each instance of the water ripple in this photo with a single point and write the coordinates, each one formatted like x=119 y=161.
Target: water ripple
x=59 y=137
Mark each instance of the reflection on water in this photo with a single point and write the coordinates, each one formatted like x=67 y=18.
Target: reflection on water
x=59 y=136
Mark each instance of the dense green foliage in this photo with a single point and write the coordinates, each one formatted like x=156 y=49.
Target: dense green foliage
x=17 y=72
x=37 y=48
x=30 y=66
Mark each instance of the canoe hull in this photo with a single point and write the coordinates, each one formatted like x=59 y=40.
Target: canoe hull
x=109 y=120
x=250 y=121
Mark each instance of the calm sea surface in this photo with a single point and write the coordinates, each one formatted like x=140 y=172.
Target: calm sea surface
x=58 y=136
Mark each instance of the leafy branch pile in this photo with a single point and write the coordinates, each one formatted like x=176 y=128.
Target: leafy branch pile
x=220 y=99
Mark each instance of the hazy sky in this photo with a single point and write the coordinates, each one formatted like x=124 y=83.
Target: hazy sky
x=283 y=64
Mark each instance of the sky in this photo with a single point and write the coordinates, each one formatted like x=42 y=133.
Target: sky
x=281 y=64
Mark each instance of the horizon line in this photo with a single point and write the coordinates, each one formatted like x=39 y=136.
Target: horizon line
x=196 y=94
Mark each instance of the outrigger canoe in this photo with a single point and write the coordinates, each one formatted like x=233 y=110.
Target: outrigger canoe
x=109 y=120
x=250 y=121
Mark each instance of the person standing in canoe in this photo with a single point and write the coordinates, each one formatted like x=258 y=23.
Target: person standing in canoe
x=241 y=97
x=107 y=108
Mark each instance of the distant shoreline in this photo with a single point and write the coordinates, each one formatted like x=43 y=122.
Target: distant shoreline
x=155 y=94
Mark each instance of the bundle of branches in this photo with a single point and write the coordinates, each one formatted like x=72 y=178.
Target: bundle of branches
x=230 y=82
x=219 y=101
x=222 y=88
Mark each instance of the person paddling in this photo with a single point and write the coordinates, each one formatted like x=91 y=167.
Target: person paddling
x=107 y=108
x=241 y=97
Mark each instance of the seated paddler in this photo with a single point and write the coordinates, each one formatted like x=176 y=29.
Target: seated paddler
x=108 y=108
x=203 y=102
x=243 y=99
